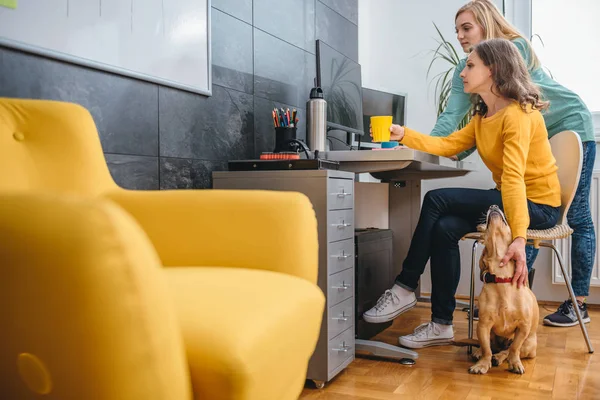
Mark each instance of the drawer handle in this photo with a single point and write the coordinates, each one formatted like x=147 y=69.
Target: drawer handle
x=342 y=256
x=342 y=225
x=344 y=348
x=343 y=317
x=343 y=194
x=343 y=287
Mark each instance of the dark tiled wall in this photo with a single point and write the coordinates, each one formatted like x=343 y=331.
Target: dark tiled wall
x=263 y=54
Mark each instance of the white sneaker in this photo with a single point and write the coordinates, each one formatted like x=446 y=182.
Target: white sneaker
x=392 y=303
x=428 y=334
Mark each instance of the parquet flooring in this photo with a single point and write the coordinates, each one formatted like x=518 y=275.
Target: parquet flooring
x=563 y=369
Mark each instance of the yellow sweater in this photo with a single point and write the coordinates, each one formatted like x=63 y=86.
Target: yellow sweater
x=504 y=141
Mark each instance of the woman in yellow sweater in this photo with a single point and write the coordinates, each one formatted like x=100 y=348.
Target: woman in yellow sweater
x=507 y=123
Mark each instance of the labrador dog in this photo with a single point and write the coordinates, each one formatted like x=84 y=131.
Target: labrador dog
x=508 y=316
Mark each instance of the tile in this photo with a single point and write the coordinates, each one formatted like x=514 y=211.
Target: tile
x=290 y=20
x=232 y=52
x=185 y=173
x=346 y=8
x=220 y=127
x=264 y=131
x=282 y=72
x=125 y=110
x=337 y=31
x=133 y=172
x=241 y=9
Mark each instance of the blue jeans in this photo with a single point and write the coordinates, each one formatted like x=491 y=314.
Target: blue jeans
x=583 y=240
x=446 y=216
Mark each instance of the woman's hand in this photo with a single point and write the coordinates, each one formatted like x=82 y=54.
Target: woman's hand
x=453 y=158
x=396 y=132
x=516 y=251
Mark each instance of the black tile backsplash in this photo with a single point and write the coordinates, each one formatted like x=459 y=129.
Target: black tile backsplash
x=220 y=127
x=337 y=31
x=182 y=173
x=241 y=9
x=125 y=110
x=133 y=172
x=232 y=64
x=282 y=72
x=263 y=54
x=346 y=8
x=291 y=20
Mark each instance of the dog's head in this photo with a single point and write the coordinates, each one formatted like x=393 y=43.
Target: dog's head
x=498 y=237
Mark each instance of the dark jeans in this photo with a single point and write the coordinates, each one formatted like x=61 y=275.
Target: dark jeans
x=446 y=216
x=579 y=217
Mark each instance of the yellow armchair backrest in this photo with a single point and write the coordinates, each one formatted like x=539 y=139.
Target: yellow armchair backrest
x=50 y=146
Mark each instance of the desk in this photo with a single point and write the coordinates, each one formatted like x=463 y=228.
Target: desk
x=401 y=170
x=341 y=205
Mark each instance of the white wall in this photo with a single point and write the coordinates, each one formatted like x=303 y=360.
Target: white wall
x=395 y=40
x=571 y=53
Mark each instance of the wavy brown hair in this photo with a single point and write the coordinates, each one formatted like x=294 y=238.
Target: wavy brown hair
x=510 y=76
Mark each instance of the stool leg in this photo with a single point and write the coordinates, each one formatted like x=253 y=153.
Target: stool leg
x=472 y=294
x=571 y=294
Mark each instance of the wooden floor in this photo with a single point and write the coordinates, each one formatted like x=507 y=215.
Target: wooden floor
x=563 y=368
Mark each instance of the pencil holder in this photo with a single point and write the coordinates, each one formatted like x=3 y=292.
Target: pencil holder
x=283 y=136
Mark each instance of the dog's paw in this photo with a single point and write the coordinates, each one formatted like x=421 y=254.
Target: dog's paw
x=476 y=355
x=482 y=367
x=499 y=358
x=516 y=366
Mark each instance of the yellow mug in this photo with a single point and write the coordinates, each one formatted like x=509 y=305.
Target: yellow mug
x=380 y=128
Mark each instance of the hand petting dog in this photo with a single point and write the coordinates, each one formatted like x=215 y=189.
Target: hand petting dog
x=516 y=252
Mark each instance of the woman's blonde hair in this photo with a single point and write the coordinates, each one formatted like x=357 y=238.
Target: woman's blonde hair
x=510 y=76
x=495 y=26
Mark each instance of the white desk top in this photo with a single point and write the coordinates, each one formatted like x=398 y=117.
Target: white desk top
x=398 y=163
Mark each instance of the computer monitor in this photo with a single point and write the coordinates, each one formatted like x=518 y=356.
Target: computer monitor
x=377 y=102
x=340 y=79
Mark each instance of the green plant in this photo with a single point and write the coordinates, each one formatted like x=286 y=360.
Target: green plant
x=445 y=52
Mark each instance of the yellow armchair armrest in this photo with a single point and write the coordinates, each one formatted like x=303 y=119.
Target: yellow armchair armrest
x=86 y=312
x=266 y=230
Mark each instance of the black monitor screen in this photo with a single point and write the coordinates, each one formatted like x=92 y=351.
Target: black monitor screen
x=340 y=79
x=376 y=102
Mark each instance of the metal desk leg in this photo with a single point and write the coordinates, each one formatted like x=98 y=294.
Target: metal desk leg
x=472 y=294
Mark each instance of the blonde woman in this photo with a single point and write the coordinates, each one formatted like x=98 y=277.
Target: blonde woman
x=508 y=130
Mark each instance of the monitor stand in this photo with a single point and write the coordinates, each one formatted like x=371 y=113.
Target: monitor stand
x=384 y=350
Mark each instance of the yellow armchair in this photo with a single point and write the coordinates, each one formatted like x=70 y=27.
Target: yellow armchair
x=124 y=294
